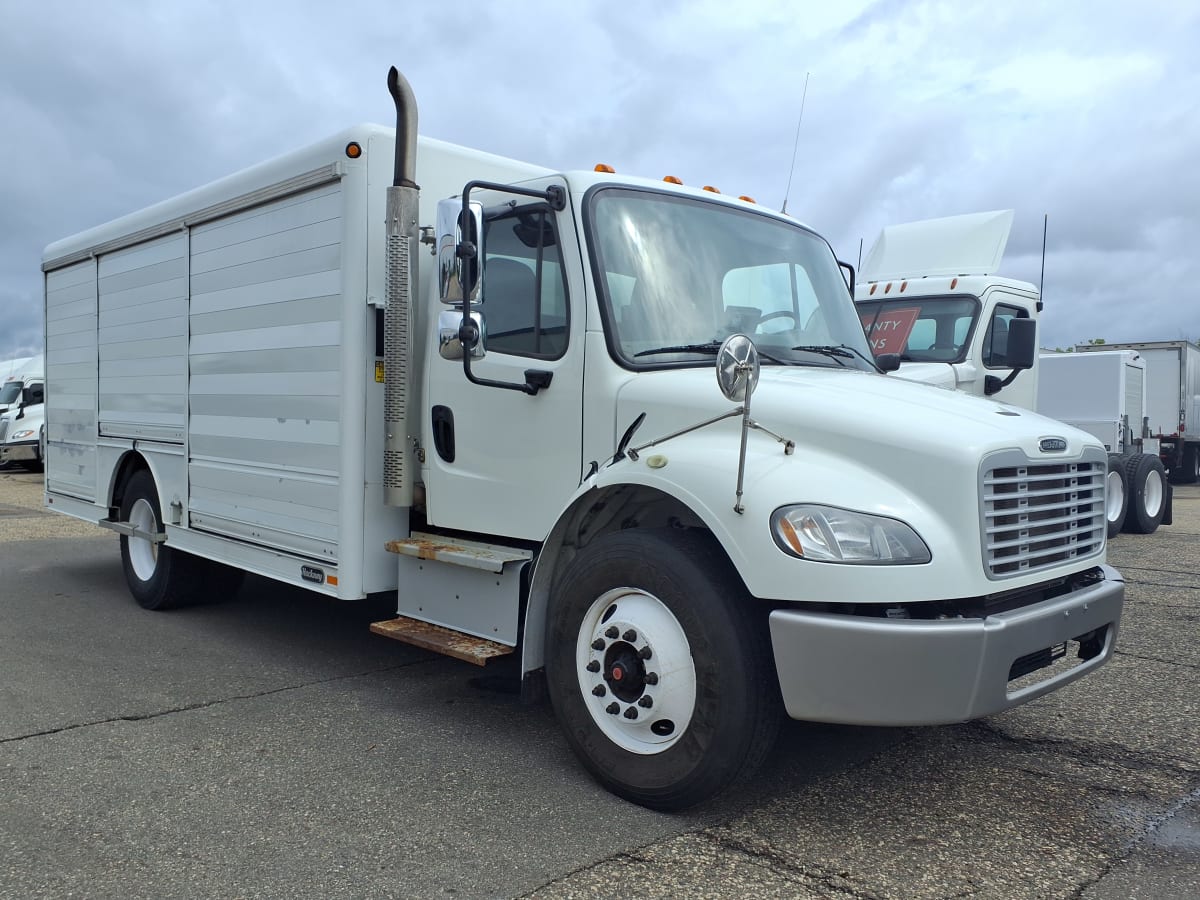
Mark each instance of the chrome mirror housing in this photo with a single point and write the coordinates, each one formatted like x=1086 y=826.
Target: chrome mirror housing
x=451 y=266
x=449 y=344
x=737 y=368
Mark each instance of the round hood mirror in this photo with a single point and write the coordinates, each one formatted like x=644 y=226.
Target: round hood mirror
x=737 y=368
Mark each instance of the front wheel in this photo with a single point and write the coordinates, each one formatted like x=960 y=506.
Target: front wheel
x=659 y=668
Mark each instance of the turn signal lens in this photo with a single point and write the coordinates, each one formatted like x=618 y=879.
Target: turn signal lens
x=354 y=149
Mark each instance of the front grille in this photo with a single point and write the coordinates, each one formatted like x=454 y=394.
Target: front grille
x=1039 y=515
x=3 y=427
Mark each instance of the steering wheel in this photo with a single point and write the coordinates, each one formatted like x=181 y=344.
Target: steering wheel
x=779 y=313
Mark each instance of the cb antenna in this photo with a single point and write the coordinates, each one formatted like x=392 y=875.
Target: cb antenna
x=795 y=146
x=1042 y=277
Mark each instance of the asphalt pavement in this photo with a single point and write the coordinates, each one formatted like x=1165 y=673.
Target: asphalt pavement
x=270 y=746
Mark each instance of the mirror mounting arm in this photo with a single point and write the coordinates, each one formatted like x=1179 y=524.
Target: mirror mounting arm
x=535 y=379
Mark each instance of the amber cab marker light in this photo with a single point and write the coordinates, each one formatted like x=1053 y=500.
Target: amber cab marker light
x=711 y=189
x=747 y=199
x=903 y=285
x=953 y=283
x=605 y=167
x=671 y=179
x=887 y=287
x=871 y=292
x=354 y=150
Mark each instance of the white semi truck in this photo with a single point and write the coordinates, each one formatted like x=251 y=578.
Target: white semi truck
x=524 y=440
x=929 y=292
x=22 y=423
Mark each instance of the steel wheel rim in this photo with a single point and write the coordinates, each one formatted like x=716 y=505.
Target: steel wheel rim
x=1114 y=496
x=143 y=554
x=655 y=696
x=1153 y=493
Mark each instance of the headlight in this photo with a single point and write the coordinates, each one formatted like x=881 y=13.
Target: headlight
x=829 y=534
x=21 y=435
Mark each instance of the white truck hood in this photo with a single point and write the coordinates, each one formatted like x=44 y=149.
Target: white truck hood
x=849 y=412
x=955 y=245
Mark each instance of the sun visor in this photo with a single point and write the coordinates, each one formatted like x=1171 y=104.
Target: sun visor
x=955 y=245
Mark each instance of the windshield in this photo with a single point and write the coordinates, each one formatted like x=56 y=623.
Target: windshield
x=10 y=393
x=677 y=276
x=920 y=329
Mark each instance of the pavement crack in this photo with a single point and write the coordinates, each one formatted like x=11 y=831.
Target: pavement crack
x=839 y=882
x=1157 y=659
x=205 y=704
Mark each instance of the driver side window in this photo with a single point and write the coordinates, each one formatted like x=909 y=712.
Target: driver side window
x=524 y=287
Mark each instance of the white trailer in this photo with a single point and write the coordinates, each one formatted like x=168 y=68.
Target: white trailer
x=524 y=442
x=1172 y=401
x=929 y=293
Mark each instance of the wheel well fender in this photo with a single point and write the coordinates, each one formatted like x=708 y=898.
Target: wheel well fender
x=595 y=512
x=130 y=462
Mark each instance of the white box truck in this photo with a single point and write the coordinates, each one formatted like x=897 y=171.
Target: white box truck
x=525 y=441
x=929 y=292
x=1172 y=401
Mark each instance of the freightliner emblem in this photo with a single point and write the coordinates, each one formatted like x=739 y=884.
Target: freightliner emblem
x=1052 y=445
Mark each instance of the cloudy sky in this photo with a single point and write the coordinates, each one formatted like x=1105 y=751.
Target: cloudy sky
x=1084 y=111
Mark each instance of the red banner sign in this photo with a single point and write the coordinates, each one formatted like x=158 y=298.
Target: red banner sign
x=888 y=332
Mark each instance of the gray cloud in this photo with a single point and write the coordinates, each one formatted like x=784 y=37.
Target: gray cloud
x=1082 y=111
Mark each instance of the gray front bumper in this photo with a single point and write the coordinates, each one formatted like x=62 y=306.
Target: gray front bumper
x=19 y=452
x=871 y=671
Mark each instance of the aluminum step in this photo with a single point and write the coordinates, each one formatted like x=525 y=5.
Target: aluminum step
x=446 y=641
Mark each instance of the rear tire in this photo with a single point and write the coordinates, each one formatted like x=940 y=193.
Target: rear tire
x=660 y=669
x=1189 y=471
x=1147 y=486
x=1116 y=494
x=159 y=577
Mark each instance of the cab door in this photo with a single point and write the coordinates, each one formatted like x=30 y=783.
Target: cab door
x=501 y=461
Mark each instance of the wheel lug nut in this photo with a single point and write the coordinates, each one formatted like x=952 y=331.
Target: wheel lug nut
x=598 y=644
x=645 y=701
x=631 y=713
x=645 y=653
x=612 y=709
x=593 y=666
x=630 y=635
x=599 y=690
x=651 y=678
x=612 y=631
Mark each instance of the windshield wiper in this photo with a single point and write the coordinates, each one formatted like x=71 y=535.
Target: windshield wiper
x=837 y=353
x=711 y=348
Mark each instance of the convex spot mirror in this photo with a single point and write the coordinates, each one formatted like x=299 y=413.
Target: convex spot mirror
x=737 y=368
x=455 y=271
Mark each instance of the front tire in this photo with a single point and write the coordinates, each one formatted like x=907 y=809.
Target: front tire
x=659 y=667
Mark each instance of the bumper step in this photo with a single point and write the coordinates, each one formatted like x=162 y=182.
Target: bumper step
x=446 y=641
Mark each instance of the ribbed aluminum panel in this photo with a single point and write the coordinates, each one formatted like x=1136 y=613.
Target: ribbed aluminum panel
x=72 y=380
x=1037 y=515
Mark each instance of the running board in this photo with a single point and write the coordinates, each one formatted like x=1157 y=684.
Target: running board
x=471 y=554
x=128 y=530
x=427 y=636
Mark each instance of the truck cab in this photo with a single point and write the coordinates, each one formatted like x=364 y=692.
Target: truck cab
x=929 y=291
x=22 y=423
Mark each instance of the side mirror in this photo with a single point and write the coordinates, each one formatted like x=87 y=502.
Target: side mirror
x=850 y=273
x=450 y=337
x=1022 y=343
x=452 y=232
x=888 y=362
